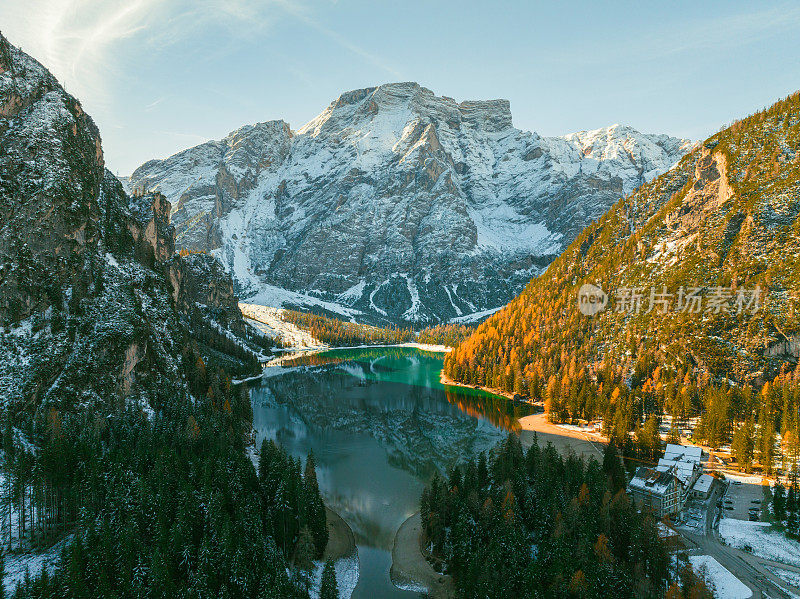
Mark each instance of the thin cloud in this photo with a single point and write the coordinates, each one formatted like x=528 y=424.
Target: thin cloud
x=155 y=103
x=734 y=30
x=75 y=38
x=72 y=37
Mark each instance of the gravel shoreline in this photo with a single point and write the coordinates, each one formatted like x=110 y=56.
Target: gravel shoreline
x=410 y=570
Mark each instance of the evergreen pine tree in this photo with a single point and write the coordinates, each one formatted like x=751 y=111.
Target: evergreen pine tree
x=329 y=589
x=791 y=509
x=779 y=503
x=304 y=555
x=742 y=446
x=612 y=466
x=483 y=470
x=315 y=506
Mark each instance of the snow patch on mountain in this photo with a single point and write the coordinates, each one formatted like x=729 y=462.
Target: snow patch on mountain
x=502 y=228
x=413 y=312
x=398 y=203
x=269 y=295
x=475 y=317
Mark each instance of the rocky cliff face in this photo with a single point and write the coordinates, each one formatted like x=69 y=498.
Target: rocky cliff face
x=200 y=284
x=398 y=203
x=95 y=307
x=51 y=174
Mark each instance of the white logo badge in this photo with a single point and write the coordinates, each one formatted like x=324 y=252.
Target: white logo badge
x=591 y=299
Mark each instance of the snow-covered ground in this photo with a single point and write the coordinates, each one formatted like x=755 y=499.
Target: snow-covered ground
x=760 y=539
x=793 y=578
x=346 y=576
x=18 y=564
x=270 y=295
x=593 y=428
x=747 y=479
x=273 y=325
x=725 y=584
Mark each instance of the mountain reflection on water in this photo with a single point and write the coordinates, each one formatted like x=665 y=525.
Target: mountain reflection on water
x=380 y=424
x=417 y=367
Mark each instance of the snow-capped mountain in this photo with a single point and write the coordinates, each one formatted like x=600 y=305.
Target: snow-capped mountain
x=398 y=203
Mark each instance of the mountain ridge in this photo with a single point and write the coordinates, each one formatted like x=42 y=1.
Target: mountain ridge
x=722 y=226
x=95 y=307
x=396 y=203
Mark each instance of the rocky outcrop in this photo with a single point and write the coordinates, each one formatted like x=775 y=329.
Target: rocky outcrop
x=398 y=203
x=51 y=172
x=153 y=235
x=787 y=349
x=89 y=315
x=199 y=282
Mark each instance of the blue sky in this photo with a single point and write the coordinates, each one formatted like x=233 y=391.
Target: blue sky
x=162 y=75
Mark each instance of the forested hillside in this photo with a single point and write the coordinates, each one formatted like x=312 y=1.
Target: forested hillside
x=449 y=335
x=340 y=333
x=535 y=524
x=702 y=281
x=122 y=434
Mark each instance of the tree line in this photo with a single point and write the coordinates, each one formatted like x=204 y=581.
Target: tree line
x=340 y=333
x=165 y=504
x=450 y=335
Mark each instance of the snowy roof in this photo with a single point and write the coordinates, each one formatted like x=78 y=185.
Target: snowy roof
x=703 y=484
x=665 y=531
x=687 y=453
x=683 y=470
x=652 y=481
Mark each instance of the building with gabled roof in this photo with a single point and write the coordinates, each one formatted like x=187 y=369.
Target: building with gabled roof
x=677 y=476
x=657 y=490
x=686 y=463
x=685 y=453
x=702 y=488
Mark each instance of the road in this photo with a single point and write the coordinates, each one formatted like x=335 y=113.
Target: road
x=751 y=570
x=746 y=567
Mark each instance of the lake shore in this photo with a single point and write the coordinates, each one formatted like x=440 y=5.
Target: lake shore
x=341 y=541
x=290 y=353
x=445 y=380
x=410 y=570
x=563 y=439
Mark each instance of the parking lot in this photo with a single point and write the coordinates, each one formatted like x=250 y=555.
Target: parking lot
x=743 y=494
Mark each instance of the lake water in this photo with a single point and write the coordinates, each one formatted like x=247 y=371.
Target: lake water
x=380 y=424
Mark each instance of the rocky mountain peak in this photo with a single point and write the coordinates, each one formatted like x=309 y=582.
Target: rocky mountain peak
x=393 y=105
x=398 y=203
x=490 y=115
x=51 y=173
x=255 y=147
